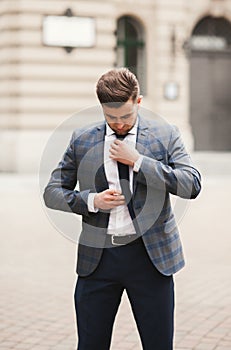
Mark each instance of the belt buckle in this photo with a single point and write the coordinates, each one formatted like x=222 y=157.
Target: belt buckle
x=114 y=243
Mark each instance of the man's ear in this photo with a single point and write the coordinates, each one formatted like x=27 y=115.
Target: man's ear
x=139 y=99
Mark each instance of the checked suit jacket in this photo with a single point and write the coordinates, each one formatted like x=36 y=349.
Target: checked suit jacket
x=166 y=169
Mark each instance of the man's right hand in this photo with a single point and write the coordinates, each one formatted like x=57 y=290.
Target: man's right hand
x=108 y=199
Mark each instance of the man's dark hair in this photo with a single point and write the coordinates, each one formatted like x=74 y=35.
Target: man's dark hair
x=117 y=86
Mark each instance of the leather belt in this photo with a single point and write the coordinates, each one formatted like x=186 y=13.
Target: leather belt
x=119 y=240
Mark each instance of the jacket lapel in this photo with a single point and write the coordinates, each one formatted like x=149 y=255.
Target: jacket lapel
x=141 y=143
x=142 y=136
x=101 y=182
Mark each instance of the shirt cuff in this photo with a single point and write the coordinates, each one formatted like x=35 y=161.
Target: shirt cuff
x=137 y=164
x=90 y=203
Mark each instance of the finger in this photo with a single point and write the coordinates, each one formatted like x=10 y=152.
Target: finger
x=113 y=156
x=112 y=150
x=109 y=198
x=114 y=146
x=112 y=197
x=118 y=198
x=117 y=192
x=117 y=142
x=117 y=203
x=111 y=191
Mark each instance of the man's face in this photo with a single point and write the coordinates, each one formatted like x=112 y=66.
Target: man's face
x=122 y=119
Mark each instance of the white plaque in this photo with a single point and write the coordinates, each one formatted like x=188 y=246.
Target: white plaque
x=171 y=90
x=67 y=31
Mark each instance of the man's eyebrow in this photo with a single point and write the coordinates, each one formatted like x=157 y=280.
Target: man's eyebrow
x=121 y=116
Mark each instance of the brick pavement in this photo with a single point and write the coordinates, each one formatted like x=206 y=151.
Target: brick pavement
x=37 y=275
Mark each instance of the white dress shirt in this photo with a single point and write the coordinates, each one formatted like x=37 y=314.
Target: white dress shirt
x=120 y=222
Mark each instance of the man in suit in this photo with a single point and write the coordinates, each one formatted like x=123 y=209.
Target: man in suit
x=126 y=168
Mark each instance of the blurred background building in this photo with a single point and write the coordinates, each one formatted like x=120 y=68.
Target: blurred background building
x=179 y=49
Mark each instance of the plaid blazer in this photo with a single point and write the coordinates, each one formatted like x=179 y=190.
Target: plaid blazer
x=166 y=169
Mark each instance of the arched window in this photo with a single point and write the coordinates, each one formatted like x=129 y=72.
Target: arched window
x=131 y=48
x=210 y=81
x=211 y=34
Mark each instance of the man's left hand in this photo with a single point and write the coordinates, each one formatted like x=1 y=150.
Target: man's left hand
x=123 y=153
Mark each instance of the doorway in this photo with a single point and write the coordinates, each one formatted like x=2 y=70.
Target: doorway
x=210 y=82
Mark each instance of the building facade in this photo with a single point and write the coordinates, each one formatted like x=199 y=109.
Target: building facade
x=178 y=49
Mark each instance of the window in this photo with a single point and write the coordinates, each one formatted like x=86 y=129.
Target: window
x=131 y=48
x=212 y=34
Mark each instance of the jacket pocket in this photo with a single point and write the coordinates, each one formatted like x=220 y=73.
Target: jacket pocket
x=170 y=225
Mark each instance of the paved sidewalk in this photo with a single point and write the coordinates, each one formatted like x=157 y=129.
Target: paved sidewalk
x=37 y=273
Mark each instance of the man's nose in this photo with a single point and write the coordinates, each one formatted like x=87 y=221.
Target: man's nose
x=119 y=125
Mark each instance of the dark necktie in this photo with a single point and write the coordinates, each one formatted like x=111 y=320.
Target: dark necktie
x=124 y=183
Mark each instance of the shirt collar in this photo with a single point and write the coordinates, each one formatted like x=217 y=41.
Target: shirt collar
x=133 y=131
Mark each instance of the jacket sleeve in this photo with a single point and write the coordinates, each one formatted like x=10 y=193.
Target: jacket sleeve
x=61 y=193
x=178 y=176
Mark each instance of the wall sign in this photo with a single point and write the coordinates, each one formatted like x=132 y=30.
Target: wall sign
x=171 y=90
x=69 y=31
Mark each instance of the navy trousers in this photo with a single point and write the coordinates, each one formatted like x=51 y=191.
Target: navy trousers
x=151 y=294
